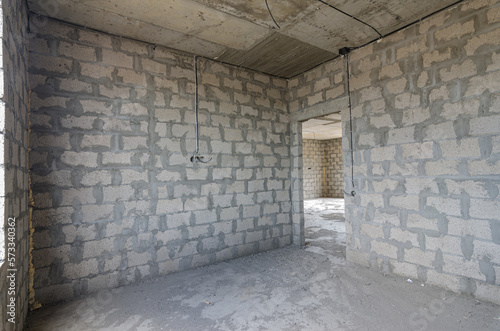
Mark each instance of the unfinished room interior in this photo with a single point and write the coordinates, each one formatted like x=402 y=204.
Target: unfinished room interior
x=323 y=184
x=250 y=165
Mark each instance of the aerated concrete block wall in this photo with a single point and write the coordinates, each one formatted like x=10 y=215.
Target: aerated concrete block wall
x=116 y=197
x=313 y=177
x=14 y=231
x=334 y=171
x=426 y=122
x=323 y=173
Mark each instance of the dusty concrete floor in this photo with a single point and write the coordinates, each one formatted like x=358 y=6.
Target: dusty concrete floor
x=325 y=227
x=311 y=288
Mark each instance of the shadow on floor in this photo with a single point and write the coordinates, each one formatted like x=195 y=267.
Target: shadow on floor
x=324 y=226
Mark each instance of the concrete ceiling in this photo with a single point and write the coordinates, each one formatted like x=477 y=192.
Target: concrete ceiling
x=242 y=32
x=323 y=128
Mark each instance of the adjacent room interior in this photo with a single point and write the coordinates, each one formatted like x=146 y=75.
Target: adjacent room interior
x=323 y=184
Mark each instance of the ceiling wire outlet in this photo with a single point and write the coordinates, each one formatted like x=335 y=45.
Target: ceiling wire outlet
x=344 y=51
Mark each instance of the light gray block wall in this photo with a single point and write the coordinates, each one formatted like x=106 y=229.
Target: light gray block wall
x=334 y=171
x=323 y=173
x=426 y=122
x=14 y=165
x=313 y=157
x=116 y=197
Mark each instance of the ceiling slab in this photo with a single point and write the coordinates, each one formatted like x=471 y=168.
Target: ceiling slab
x=323 y=128
x=278 y=55
x=97 y=19
x=189 y=18
x=389 y=15
x=330 y=30
x=243 y=33
x=284 y=12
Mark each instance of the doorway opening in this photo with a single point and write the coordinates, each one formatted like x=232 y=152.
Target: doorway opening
x=323 y=185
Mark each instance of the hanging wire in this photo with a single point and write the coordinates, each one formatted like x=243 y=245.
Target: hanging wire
x=196 y=104
x=349 y=15
x=379 y=38
x=352 y=193
x=269 y=10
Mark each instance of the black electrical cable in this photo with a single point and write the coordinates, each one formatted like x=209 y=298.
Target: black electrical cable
x=345 y=52
x=354 y=18
x=269 y=10
x=410 y=24
x=388 y=34
x=196 y=103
